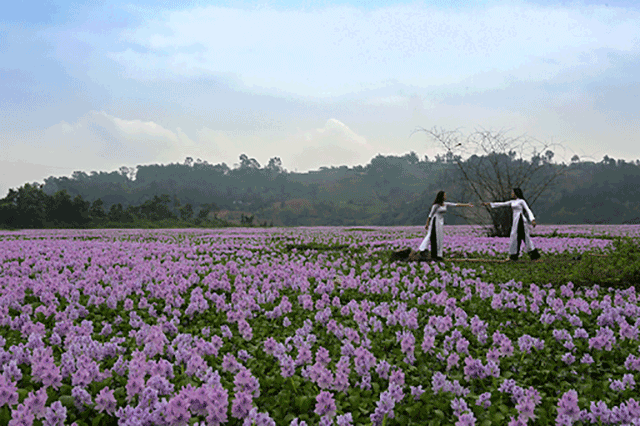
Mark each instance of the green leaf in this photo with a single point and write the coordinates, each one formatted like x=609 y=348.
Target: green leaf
x=67 y=400
x=498 y=417
x=97 y=420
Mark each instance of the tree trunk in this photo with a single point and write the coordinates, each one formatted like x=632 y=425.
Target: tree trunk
x=501 y=219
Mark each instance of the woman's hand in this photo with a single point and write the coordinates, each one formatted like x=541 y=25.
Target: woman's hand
x=533 y=222
x=485 y=204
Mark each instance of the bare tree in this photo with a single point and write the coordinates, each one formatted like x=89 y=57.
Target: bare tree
x=495 y=163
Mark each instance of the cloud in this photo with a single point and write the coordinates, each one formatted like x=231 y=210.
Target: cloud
x=335 y=130
x=334 y=144
x=100 y=141
x=311 y=52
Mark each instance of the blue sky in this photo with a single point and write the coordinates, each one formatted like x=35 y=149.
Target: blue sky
x=99 y=84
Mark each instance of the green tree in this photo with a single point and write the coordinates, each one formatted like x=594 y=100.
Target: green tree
x=157 y=208
x=203 y=213
x=186 y=212
x=27 y=207
x=116 y=212
x=80 y=215
x=96 y=211
x=60 y=209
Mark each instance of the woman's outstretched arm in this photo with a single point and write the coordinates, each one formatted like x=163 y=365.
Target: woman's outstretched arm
x=498 y=204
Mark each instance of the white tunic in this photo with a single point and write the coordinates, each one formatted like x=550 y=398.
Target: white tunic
x=436 y=214
x=519 y=207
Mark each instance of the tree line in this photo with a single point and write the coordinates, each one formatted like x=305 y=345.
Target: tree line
x=30 y=207
x=389 y=190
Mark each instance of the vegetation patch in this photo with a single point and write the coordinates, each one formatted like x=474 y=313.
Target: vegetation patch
x=319 y=247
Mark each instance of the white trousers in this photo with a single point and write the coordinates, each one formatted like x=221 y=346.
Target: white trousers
x=436 y=228
x=513 y=237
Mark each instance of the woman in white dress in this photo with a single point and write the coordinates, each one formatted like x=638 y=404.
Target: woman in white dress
x=519 y=232
x=435 y=225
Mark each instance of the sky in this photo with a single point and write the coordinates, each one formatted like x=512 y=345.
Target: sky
x=96 y=85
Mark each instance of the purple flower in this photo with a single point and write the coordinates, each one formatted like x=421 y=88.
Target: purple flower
x=459 y=406
x=134 y=386
x=384 y=407
x=161 y=384
x=218 y=404
x=12 y=372
x=21 y=416
x=568 y=405
x=36 y=402
x=466 y=419
x=416 y=392
x=586 y=359
x=258 y=419
x=322 y=356
x=81 y=396
x=568 y=358
x=226 y=332
x=106 y=401
x=599 y=412
x=287 y=366
x=383 y=368
x=270 y=346
x=8 y=392
x=517 y=421
x=344 y=420
x=176 y=411
x=452 y=360
x=507 y=386
x=484 y=400
x=242 y=404
x=525 y=343
x=55 y=415
x=526 y=408
x=438 y=382
x=632 y=363
x=629 y=381
x=341 y=380
x=325 y=404
x=229 y=363
x=244 y=381
x=364 y=360
x=604 y=339
x=462 y=346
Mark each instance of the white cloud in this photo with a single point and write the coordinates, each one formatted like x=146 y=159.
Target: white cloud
x=339 y=49
x=335 y=130
x=334 y=144
x=101 y=141
x=388 y=101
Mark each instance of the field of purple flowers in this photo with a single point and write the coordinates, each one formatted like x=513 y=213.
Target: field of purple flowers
x=306 y=326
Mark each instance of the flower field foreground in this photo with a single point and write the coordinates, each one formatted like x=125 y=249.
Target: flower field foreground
x=302 y=326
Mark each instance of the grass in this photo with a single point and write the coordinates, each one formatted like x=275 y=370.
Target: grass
x=618 y=267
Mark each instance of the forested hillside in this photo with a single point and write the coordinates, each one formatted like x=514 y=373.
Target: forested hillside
x=390 y=190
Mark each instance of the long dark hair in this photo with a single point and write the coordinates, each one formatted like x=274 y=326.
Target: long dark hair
x=439 y=198
x=518 y=193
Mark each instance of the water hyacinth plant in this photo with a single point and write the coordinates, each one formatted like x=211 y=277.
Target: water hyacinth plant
x=306 y=326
